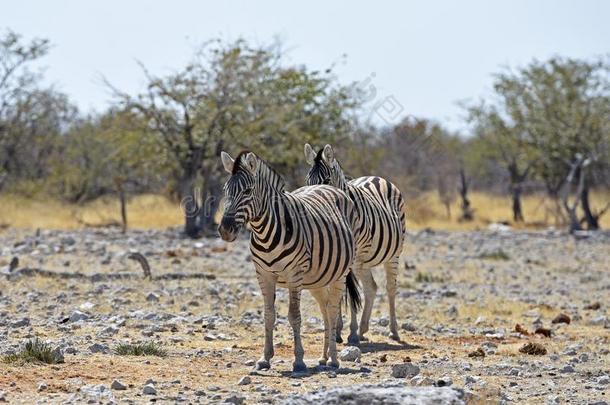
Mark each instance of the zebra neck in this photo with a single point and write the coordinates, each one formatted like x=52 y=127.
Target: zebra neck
x=340 y=180
x=269 y=215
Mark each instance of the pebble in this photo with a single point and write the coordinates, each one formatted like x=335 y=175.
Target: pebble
x=350 y=353
x=404 y=370
x=98 y=348
x=152 y=297
x=409 y=327
x=78 y=316
x=567 y=369
x=604 y=380
x=3 y=396
x=149 y=389
x=245 y=380
x=117 y=385
x=42 y=387
x=21 y=323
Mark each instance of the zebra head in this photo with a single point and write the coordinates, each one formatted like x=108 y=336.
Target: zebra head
x=324 y=167
x=240 y=197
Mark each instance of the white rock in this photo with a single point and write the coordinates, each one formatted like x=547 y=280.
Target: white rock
x=350 y=353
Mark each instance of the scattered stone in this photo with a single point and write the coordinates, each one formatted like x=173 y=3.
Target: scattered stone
x=152 y=297
x=3 y=396
x=235 y=399
x=379 y=394
x=250 y=363
x=42 y=387
x=78 y=316
x=444 y=382
x=561 y=318
x=383 y=322
x=603 y=380
x=404 y=370
x=117 y=385
x=409 y=327
x=567 y=369
x=598 y=321
x=532 y=348
x=149 y=389
x=98 y=348
x=350 y=353
x=245 y=380
x=479 y=352
x=21 y=323
x=543 y=331
x=594 y=306
x=520 y=329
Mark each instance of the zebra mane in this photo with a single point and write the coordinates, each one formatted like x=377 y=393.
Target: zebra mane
x=319 y=159
x=264 y=171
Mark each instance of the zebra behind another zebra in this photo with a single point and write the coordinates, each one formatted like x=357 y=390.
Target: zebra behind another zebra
x=379 y=232
x=299 y=240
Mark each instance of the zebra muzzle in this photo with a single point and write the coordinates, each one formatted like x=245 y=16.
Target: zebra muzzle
x=228 y=229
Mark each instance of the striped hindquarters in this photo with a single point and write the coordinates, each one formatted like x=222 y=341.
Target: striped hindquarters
x=380 y=205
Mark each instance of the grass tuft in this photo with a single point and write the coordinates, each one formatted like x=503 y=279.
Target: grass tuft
x=421 y=277
x=496 y=255
x=35 y=351
x=140 y=349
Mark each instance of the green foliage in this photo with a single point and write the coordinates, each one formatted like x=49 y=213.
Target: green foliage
x=140 y=349
x=35 y=351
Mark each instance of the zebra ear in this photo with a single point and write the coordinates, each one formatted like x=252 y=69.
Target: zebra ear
x=310 y=154
x=328 y=154
x=251 y=163
x=227 y=161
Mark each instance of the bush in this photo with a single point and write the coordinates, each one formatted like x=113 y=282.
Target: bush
x=140 y=349
x=35 y=351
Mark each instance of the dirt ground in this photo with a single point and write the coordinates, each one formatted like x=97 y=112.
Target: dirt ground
x=458 y=292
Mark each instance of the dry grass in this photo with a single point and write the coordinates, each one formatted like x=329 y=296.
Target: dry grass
x=157 y=212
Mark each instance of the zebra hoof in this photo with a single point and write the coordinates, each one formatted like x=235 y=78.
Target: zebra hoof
x=395 y=336
x=262 y=365
x=299 y=367
x=322 y=361
x=333 y=363
x=363 y=338
x=338 y=339
x=353 y=340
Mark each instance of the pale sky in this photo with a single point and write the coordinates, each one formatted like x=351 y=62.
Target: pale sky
x=425 y=55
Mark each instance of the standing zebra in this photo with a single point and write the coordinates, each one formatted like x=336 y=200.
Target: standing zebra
x=299 y=240
x=379 y=232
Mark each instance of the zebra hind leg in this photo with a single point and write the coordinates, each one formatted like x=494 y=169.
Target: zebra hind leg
x=354 y=338
x=335 y=294
x=339 y=327
x=321 y=296
x=294 y=317
x=391 y=273
x=370 y=291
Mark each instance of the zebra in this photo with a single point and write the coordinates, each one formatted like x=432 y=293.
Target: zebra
x=379 y=233
x=299 y=240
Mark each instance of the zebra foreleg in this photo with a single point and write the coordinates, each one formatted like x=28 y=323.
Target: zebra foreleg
x=335 y=294
x=321 y=296
x=294 y=317
x=354 y=339
x=267 y=285
x=391 y=273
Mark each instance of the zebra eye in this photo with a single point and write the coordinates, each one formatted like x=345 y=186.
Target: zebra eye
x=247 y=191
x=326 y=181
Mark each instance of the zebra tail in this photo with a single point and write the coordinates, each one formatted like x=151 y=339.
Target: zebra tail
x=353 y=291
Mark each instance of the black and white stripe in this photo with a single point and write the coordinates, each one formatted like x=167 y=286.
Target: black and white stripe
x=299 y=240
x=379 y=231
